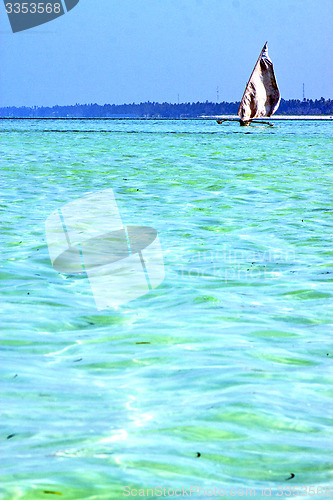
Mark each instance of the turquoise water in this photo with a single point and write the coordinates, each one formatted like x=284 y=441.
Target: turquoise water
x=230 y=357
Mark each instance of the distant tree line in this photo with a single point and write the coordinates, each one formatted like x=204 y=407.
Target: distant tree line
x=162 y=110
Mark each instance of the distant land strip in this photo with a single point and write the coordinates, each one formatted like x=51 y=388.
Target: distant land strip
x=293 y=107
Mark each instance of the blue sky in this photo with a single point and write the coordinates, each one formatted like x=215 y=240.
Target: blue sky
x=116 y=51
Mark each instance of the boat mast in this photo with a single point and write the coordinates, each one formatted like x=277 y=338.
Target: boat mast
x=251 y=75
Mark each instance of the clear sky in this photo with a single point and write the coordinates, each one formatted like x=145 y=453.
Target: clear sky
x=123 y=51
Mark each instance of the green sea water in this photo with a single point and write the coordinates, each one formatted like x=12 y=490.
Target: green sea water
x=219 y=377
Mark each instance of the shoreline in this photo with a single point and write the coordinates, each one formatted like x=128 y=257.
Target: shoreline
x=276 y=117
x=203 y=117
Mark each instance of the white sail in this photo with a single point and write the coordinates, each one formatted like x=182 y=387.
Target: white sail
x=262 y=96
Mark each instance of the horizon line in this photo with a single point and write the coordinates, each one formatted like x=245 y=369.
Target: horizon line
x=34 y=106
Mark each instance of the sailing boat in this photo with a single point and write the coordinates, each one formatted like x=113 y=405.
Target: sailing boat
x=261 y=97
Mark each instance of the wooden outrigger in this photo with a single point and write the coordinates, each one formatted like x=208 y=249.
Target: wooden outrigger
x=242 y=123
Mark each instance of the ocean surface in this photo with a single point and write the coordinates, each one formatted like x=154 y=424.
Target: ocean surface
x=221 y=377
